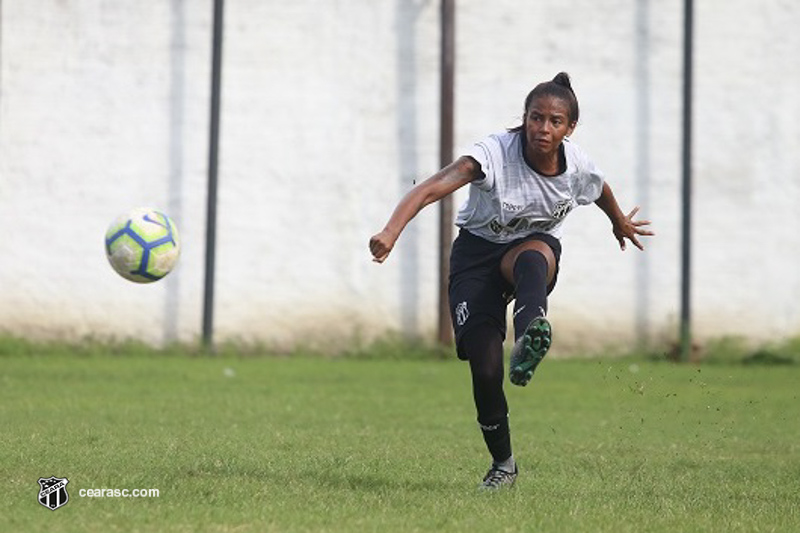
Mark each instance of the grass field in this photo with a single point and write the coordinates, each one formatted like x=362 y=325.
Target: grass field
x=257 y=444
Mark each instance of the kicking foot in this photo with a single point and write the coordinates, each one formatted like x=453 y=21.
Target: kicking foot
x=529 y=351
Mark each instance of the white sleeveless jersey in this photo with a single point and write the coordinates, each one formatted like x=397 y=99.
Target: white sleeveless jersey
x=513 y=200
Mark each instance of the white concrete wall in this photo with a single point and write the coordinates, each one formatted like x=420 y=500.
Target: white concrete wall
x=330 y=112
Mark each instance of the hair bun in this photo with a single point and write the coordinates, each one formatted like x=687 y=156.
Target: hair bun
x=562 y=78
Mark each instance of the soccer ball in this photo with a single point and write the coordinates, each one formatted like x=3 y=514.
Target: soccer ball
x=143 y=245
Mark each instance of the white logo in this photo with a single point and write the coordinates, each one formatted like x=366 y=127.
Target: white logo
x=462 y=313
x=511 y=207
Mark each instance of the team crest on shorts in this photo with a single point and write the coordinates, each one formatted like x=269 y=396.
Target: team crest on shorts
x=53 y=492
x=462 y=313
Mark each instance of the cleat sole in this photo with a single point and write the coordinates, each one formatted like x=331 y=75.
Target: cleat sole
x=529 y=351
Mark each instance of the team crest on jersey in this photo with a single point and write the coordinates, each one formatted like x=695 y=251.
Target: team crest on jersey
x=561 y=209
x=53 y=492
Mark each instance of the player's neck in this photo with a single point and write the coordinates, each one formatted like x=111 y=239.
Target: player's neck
x=546 y=164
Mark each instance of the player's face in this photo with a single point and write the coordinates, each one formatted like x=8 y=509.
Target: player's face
x=546 y=124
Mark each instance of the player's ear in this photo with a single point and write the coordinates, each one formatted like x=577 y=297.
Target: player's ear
x=571 y=127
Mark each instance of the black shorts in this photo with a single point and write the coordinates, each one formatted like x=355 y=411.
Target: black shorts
x=477 y=289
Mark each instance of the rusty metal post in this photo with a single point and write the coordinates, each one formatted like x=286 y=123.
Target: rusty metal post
x=447 y=62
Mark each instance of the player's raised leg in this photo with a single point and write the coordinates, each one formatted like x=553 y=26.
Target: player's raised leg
x=533 y=269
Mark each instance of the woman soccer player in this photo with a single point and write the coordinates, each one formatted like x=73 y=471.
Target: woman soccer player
x=523 y=183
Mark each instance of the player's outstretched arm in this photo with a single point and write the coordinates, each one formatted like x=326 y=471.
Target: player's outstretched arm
x=624 y=226
x=450 y=178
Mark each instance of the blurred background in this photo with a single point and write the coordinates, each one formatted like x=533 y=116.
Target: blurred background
x=330 y=113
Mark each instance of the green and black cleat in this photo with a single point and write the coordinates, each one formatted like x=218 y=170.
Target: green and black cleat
x=529 y=351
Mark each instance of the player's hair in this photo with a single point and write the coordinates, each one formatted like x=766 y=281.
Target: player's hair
x=559 y=87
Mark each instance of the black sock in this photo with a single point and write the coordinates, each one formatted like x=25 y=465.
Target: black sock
x=497 y=437
x=483 y=344
x=530 y=280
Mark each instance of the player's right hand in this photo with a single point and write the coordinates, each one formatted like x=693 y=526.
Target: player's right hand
x=380 y=245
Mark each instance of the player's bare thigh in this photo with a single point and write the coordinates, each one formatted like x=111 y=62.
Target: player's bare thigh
x=510 y=258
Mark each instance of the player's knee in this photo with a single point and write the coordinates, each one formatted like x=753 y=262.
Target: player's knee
x=532 y=266
x=485 y=372
x=483 y=347
x=530 y=261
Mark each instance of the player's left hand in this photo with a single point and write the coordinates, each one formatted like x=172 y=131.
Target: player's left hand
x=630 y=229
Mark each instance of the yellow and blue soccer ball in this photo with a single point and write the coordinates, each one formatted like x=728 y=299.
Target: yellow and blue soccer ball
x=143 y=245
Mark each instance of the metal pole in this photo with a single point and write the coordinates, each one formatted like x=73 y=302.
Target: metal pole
x=686 y=248
x=447 y=62
x=213 y=160
x=643 y=175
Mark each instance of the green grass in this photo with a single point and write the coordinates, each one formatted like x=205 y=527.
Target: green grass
x=252 y=444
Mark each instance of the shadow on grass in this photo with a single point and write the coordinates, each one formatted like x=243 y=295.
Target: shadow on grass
x=377 y=483
x=327 y=473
